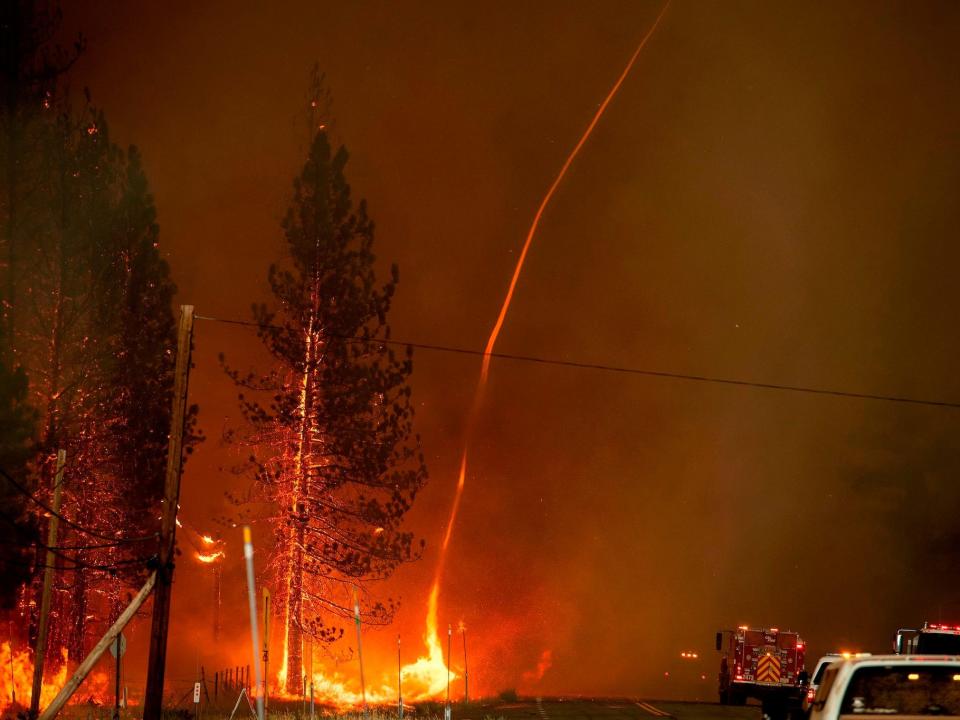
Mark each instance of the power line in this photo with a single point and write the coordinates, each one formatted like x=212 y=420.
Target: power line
x=24 y=491
x=622 y=369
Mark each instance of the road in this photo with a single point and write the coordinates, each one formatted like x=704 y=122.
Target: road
x=606 y=709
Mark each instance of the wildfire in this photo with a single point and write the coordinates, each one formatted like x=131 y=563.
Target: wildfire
x=543 y=664
x=16 y=679
x=209 y=557
x=428 y=676
x=423 y=679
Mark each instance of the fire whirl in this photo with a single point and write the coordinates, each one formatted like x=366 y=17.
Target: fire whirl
x=431 y=638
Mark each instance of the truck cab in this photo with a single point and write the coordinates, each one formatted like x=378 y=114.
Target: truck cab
x=931 y=639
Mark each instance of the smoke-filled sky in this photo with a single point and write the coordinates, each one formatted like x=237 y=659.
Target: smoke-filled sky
x=772 y=196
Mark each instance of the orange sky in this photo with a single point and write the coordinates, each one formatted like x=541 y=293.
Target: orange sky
x=772 y=196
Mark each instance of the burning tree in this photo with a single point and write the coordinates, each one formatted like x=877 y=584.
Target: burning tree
x=336 y=454
x=87 y=314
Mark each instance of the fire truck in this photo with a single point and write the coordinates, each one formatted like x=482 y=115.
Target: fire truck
x=766 y=664
x=931 y=639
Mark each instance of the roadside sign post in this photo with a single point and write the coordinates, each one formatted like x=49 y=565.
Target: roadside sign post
x=399 y=681
x=310 y=646
x=266 y=648
x=116 y=690
x=363 y=686
x=117 y=648
x=447 y=710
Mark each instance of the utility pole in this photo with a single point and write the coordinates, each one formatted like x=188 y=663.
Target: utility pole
x=153 y=696
x=40 y=653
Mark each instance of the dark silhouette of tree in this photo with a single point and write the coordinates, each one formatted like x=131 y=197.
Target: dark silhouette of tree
x=335 y=450
x=87 y=311
x=30 y=68
x=18 y=530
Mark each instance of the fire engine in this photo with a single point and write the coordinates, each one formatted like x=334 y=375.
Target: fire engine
x=762 y=664
x=933 y=639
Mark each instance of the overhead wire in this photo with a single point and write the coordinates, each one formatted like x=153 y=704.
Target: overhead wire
x=670 y=375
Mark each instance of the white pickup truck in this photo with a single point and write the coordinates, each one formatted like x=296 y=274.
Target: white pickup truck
x=884 y=685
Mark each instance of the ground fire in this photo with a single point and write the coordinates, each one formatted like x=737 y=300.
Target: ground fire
x=16 y=681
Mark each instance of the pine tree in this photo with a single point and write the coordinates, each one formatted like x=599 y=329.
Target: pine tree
x=336 y=451
x=30 y=68
x=18 y=530
x=86 y=303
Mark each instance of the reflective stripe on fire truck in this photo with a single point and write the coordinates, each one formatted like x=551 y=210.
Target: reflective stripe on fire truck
x=768 y=669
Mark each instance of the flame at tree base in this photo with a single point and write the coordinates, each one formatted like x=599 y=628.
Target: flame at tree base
x=424 y=679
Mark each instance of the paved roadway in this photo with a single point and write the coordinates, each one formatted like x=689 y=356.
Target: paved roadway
x=606 y=709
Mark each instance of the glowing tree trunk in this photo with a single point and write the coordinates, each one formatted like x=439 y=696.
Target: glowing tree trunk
x=295 y=612
x=301 y=478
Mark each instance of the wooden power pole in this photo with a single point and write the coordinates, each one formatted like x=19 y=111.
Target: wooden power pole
x=39 y=655
x=153 y=697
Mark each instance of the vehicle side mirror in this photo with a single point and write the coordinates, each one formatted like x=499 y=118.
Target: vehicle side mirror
x=719 y=641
